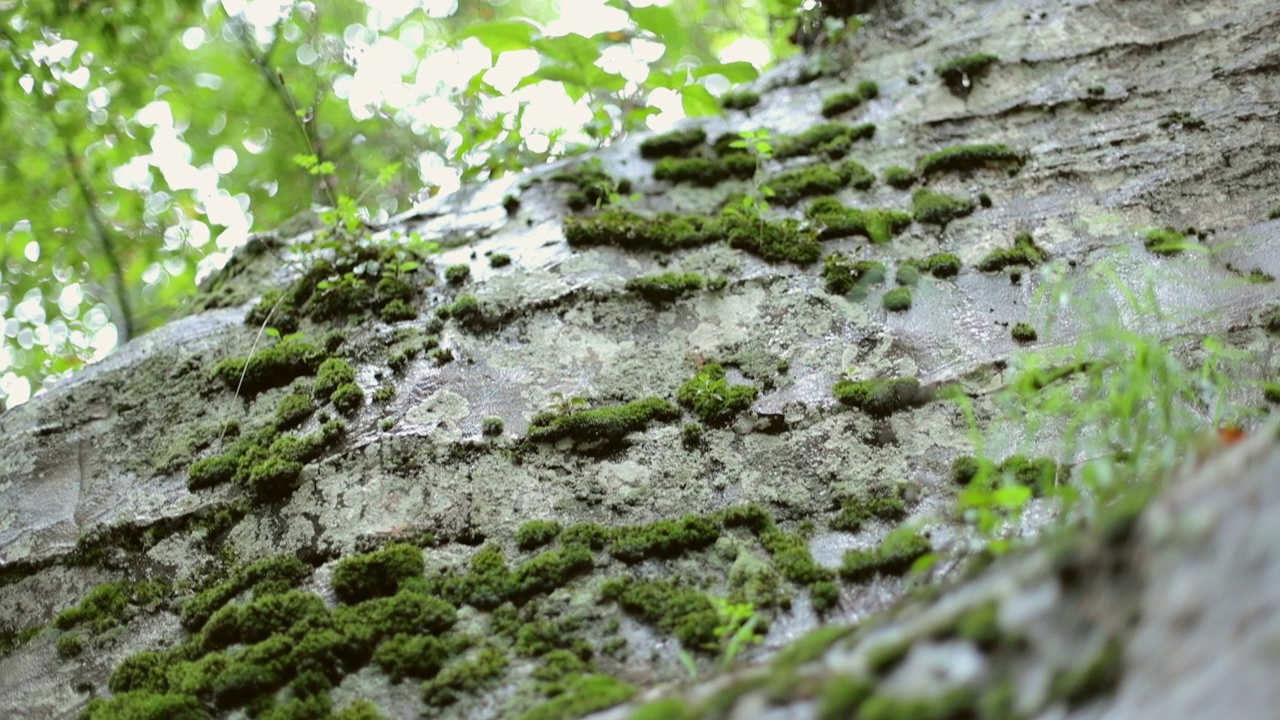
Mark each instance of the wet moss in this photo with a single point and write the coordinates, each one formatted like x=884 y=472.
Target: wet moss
x=384 y=394
x=256 y=621
x=145 y=705
x=880 y=502
x=548 y=571
x=1023 y=333
x=276 y=571
x=792 y=559
x=465 y=677
x=1024 y=252
x=1271 y=392
x=1274 y=214
x=791 y=186
x=101 y=608
x=677 y=142
x=672 y=608
x=969 y=157
x=959 y=73
x=824 y=595
x=899 y=177
x=830 y=139
x=1165 y=241
x=627 y=230
x=934 y=208
x=411 y=656
x=894 y=556
x=838 y=220
x=710 y=396
x=840 y=102
x=783 y=240
x=293 y=410
x=665 y=287
x=270 y=367
x=868 y=89
x=457 y=274
x=347 y=398
x=691 y=435
x=897 y=299
x=498 y=260
x=590 y=535
x=69 y=645
x=663 y=538
x=332 y=374
x=275 y=478
x=940 y=265
x=966 y=468
x=604 y=424
x=740 y=100
x=843 y=277
x=466 y=311
x=377 y=573
x=706 y=172
x=536 y=533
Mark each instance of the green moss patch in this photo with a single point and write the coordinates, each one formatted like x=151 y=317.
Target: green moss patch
x=669 y=606
x=536 y=533
x=710 y=396
x=833 y=140
x=938 y=209
x=627 y=230
x=894 y=556
x=969 y=157
x=1024 y=252
x=1023 y=333
x=899 y=177
x=604 y=424
x=266 y=462
x=583 y=695
x=665 y=287
x=880 y=502
x=273 y=573
x=706 y=172
x=774 y=241
x=791 y=186
x=663 y=538
x=466 y=677
x=897 y=299
x=108 y=604
x=270 y=367
x=378 y=573
x=677 y=142
x=1039 y=474
x=880 y=397
x=844 y=276
x=834 y=219
x=1180 y=120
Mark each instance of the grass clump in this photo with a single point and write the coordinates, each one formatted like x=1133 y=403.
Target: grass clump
x=835 y=219
x=894 y=556
x=843 y=276
x=706 y=172
x=604 y=424
x=536 y=533
x=830 y=139
x=899 y=177
x=938 y=209
x=968 y=157
x=1165 y=241
x=271 y=367
x=1023 y=333
x=897 y=299
x=676 y=142
x=740 y=100
x=710 y=396
x=791 y=186
x=880 y=397
x=376 y=574
x=665 y=287
x=1024 y=252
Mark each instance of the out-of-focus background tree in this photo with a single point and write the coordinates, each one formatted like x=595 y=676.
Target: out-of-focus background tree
x=141 y=142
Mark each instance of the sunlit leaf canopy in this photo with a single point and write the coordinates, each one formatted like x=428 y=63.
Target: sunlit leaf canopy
x=141 y=142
